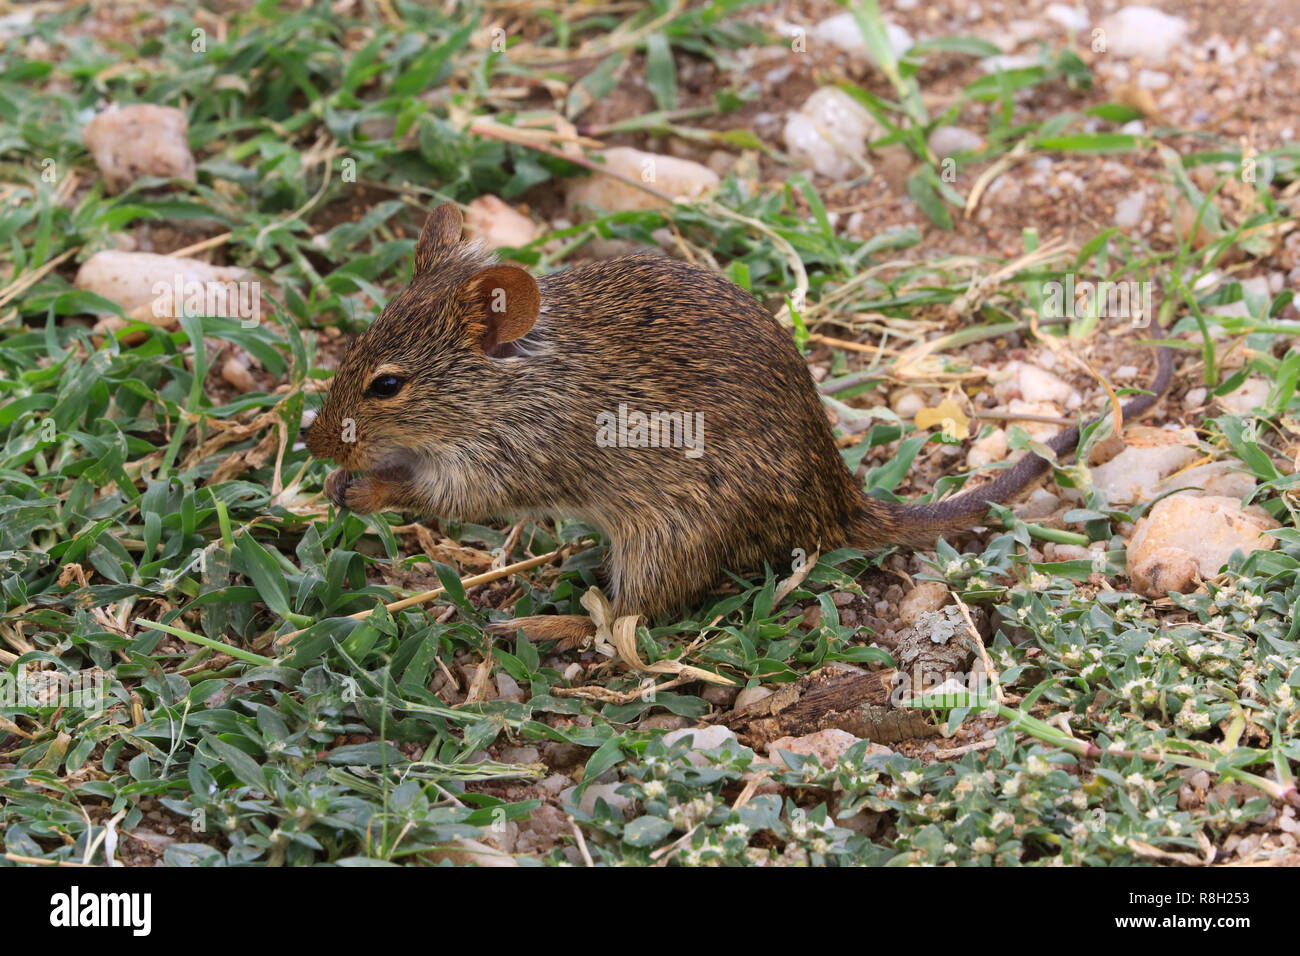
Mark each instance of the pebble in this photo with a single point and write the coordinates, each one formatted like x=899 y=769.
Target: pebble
x=1220 y=478
x=1208 y=529
x=1133 y=474
x=130 y=278
x=676 y=177
x=830 y=132
x=1073 y=19
x=751 y=695
x=841 y=31
x=598 y=791
x=826 y=745
x=142 y=140
x=1145 y=32
x=949 y=140
x=1040 y=504
x=705 y=738
x=992 y=447
x=1033 y=384
x=1251 y=395
x=520 y=755
x=498 y=224
x=926 y=596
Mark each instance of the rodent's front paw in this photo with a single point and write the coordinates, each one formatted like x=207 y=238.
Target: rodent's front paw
x=336 y=486
x=361 y=495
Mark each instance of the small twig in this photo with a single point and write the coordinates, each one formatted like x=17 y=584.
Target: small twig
x=427 y=596
x=980 y=648
x=582 y=843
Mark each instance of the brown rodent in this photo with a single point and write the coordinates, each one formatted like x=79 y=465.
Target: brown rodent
x=480 y=392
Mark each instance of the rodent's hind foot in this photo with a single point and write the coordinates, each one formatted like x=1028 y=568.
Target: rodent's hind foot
x=571 y=630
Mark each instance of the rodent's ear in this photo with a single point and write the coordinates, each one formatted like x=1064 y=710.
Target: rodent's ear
x=503 y=301
x=441 y=229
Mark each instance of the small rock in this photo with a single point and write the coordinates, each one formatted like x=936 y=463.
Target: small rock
x=825 y=745
x=1128 y=211
x=507 y=687
x=679 y=178
x=1165 y=570
x=704 y=738
x=751 y=695
x=992 y=447
x=926 y=596
x=235 y=371
x=906 y=402
x=555 y=783
x=1141 y=31
x=830 y=133
x=1041 y=504
x=1208 y=528
x=1033 y=384
x=1073 y=19
x=718 y=696
x=950 y=140
x=520 y=755
x=1196 y=397
x=1070 y=552
x=1133 y=474
x=841 y=30
x=1256 y=287
x=1251 y=395
x=1008 y=62
x=466 y=852
x=1153 y=79
x=498 y=224
x=1220 y=478
x=599 y=791
x=141 y=140
x=662 y=722
x=145 y=285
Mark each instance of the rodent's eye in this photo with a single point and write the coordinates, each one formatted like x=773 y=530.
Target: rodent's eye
x=385 y=386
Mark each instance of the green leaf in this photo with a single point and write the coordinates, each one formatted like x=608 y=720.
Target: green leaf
x=646 y=831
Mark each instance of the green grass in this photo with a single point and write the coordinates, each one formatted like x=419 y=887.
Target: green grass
x=122 y=556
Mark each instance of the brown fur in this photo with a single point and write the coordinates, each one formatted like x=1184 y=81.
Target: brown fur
x=499 y=419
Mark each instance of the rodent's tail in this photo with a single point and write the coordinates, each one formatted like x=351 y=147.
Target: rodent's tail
x=884 y=522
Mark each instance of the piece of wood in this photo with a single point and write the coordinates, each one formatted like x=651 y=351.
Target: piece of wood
x=830 y=698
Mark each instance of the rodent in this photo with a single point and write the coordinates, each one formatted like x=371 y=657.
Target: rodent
x=478 y=390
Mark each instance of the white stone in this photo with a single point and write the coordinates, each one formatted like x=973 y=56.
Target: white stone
x=1133 y=474
x=1009 y=61
x=1128 y=211
x=498 y=224
x=1207 y=528
x=1073 y=19
x=751 y=695
x=1251 y=395
x=139 y=281
x=841 y=30
x=1034 y=385
x=705 y=738
x=1141 y=31
x=678 y=178
x=992 y=447
x=829 y=131
x=949 y=140
x=141 y=140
